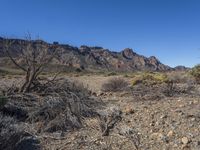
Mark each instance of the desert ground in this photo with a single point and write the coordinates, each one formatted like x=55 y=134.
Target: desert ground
x=149 y=119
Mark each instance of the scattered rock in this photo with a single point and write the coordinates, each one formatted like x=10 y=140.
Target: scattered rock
x=170 y=133
x=163 y=117
x=128 y=110
x=185 y=140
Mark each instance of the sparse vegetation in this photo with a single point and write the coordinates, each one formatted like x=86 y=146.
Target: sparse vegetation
x=108 y=119
x=3 y=100
x=12 y=136
x=35 y=57
x=112 y=74
x=195 y=72
x=149 y=78
x=122 y=110
x=114 y=85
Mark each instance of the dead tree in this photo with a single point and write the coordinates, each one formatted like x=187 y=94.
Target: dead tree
x=35 y=57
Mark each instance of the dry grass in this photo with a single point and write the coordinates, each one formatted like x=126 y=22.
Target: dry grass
x=114 y=85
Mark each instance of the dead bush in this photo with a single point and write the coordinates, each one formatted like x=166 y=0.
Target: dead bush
x=180 y=77
x=3 y=101
x=114 y=85
x=59 y=105
x=108 y=119
x=12 y=136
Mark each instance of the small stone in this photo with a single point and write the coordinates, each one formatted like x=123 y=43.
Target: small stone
x=190 y=103
x=185 y=147
x=129 y=110
x=152 y=124
x=94 y=94
x=191 y=125
x=163 y=117
x=154 y=135
x=181 y=113
x=159 y=136
x=100 y=94
x=193 y=119
x=157 y=123
x=185 y=140
x=198 y=143
x=170 y=133
x=195 y=102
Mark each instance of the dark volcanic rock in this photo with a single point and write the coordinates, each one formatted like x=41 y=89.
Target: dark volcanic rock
x=128 y=53
x=96 y=58
x=84 y=50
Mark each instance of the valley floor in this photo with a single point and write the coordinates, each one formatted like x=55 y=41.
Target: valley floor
x=168 y=123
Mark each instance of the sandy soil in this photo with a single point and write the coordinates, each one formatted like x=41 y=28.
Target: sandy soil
x=171 y=123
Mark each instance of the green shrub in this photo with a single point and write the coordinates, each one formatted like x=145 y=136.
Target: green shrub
x=195 y=72
x=149 y=78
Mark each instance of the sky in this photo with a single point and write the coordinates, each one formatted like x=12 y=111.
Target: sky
x=167 y=29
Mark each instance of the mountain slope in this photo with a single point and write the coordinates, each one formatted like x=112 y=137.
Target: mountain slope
x=94 y=57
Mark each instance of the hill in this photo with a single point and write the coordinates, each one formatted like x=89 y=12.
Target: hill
x=92 y=58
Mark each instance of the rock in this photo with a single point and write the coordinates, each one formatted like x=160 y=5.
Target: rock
x=163 y=117
x=93 y=57
x=190 y=103
x=94 y=94
x=124 y=94
x=170 y=133
x=185 y=147
x=198 y=143
x=125 y=130
x=128 y=110
x=159 y=136
x=128 y=53
x=100 y=94
x=185 y=140
x=195 y=102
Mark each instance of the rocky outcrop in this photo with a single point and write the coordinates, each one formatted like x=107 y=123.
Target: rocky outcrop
x=96 y=58
x=128 y=53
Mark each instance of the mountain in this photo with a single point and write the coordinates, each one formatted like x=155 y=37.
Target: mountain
x=93 y=58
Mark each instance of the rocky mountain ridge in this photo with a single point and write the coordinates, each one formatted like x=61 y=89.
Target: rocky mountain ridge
x=95 y=58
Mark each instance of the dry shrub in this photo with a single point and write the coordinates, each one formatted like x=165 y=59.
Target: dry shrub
x=114 y=85
x=112 y=74
x=3 y=101
x=12 y=136
x=108 y=118
x=180 y=78
x=160 y=91
x=59 y=105
x=156 y=86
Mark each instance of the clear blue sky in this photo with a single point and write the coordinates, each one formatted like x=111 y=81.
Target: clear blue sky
x=168 y=29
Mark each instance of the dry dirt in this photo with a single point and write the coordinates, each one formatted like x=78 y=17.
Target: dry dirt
x=171 y=123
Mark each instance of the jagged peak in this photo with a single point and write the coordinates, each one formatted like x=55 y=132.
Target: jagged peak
x=128 y=53
x=98 y=57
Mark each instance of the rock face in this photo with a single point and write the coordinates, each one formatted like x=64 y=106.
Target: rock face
x=96 y=58
x=128 y=53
